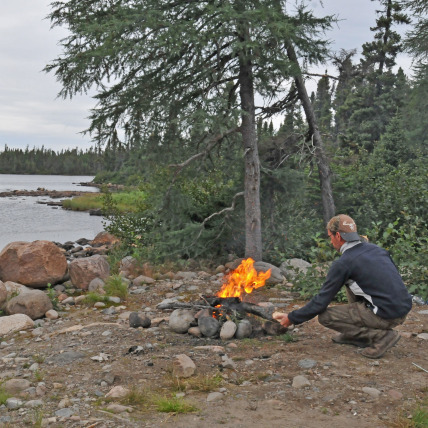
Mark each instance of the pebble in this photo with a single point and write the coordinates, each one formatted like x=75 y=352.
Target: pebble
x=373 y=392
x=307 y=363
x=65 y=413
x=13 y=403
x=423 y=336
x=214 y=396
x=99 y=305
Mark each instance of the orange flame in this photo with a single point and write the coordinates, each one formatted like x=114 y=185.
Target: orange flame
x=244 y=279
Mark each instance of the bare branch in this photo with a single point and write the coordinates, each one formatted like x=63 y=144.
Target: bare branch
x=321 y=75
x=224 y=210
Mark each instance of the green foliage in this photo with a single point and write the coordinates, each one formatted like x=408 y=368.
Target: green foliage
x=115 y=286
x=91 y=298
x=288 y=338
x=52 y=296
x=3 y=396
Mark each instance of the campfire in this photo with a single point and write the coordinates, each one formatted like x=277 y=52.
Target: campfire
x=230 y=305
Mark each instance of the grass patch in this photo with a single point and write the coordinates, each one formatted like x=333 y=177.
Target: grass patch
x=417 y=417
x=135 y=397
x=202 y=383
x=287 y=338
x=173 y=405
x=38 y=358
x=124 y=201
x=91 y=298
x=115 y=286
x=38 y=376
x=3 y=396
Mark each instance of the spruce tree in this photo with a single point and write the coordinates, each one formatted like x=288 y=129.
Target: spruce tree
x=193 y=67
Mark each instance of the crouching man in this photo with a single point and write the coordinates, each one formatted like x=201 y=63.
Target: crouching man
x=378 y=300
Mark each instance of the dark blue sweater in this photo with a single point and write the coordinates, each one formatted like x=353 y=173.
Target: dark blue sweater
x=373 y=270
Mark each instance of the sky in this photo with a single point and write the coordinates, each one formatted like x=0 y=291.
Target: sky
x=32 y=115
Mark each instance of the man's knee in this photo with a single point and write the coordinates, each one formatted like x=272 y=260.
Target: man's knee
x=324 y=318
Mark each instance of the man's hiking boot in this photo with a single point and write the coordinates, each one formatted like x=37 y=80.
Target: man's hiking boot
x=390 y=338
x=346 y=340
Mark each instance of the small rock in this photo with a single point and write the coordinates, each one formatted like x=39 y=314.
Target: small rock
x=51 y=314
x=423 y=336
x=16 y=386
x=300 y=382
x=395 y=395
x=118 y=408
x=65 y=413
x=183 y=366
x=13 y=403
x=99 y=305
x=114 y=299
x=307 y=363
x=373 y=392
x=195 y=331
x=244 y=329
x=214 y=396
x=136 y=321
x=117 y=392
x=181 y=320
x=209 y=326
x=140 y=280
x=228 y=330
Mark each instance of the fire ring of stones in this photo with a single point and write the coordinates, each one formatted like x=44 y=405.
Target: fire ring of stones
x=224 y=317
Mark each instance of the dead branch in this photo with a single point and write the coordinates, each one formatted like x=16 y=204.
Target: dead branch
x=321 y=75
x=224 y=210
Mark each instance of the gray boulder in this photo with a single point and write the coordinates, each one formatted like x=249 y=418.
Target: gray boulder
x=291 y=267
x=34 y=303
x=181 y=320
x=209 y=326
x=276 y=276
x=244 y=329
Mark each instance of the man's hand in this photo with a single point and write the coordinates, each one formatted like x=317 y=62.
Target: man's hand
x=282 y=318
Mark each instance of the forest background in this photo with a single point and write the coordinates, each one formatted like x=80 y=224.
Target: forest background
x=181 y=151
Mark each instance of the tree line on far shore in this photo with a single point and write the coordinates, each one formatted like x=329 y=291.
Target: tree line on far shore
x=40 y=160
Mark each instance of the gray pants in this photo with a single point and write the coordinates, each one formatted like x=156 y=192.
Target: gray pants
x=356 y=320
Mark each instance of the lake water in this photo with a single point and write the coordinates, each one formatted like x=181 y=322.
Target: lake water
x=24 y=219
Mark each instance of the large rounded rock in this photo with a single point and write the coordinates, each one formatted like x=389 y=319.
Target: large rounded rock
x=34 y=264
x=13 y=323
x=209 y=326
x=181 y=320
x=34 y=303
x=244 y=329
x=291 y=267
x=3 y=294
x=83 y=271
x=104 y=239
x=276 y=277
x=228 y=330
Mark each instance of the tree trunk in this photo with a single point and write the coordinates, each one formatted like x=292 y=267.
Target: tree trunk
x=253 y=231
x=321 y=159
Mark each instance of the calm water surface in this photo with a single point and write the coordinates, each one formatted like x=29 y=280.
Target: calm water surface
x=24 y=219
